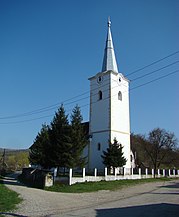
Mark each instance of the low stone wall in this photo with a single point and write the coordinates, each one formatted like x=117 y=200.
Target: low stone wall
x=106 y=177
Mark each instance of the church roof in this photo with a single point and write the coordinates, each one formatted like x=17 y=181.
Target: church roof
x=109 y=60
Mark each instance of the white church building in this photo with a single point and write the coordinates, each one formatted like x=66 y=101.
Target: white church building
x=109 y=110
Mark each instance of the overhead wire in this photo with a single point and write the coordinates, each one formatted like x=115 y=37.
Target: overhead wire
x=156 y=79
x=142 y=76
x=93 y=95
x=44 y=109
x=56 y=105
x=157 y=61
x=144 y=84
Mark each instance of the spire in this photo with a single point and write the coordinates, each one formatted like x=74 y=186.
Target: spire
x=109 y=60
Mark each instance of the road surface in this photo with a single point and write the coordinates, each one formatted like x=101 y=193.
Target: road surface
x=159 y=199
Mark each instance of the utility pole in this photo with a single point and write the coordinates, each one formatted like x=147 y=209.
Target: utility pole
x=3 y=159
x=2 y=162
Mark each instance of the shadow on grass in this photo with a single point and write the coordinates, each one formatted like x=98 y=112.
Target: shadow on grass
x=11 y=214
x=11 y=181
x=153 y=210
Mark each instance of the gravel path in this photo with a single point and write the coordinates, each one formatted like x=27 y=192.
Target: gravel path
x=38 y=202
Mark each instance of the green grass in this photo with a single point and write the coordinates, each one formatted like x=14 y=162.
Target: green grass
x=8 y=199
x=102 y=185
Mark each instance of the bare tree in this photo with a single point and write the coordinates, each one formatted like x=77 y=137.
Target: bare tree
x=159 y=144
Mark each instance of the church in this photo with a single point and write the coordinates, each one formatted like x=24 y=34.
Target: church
x=109 y=110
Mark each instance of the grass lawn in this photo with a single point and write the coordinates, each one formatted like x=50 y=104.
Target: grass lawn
x=102 y=185
x=8 y=199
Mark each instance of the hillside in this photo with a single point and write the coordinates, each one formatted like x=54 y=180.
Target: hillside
x=13 y=159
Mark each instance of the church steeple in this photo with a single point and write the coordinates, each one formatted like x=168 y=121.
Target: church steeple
x=109 y=110
x=109 y=60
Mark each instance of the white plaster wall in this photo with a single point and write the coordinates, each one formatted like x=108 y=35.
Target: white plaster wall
x=109 y=117
x=120 y=117
x=99 y=109
x=120 y=120
x=99 y=119
x=95 y=154
x=124 y=139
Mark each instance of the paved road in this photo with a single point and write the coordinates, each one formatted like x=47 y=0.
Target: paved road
x=147 y=200
x=162 y=201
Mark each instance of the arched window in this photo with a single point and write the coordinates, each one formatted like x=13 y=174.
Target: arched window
x=100 y=95
x=99 y=146
x=119 y=95
x=131 y=158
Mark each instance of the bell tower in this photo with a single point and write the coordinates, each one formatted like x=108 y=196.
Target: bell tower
x=109 y=108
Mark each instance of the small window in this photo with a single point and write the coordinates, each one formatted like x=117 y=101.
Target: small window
x=100 y=95
x=131 y=158
x=120 y=96
x=99 y=146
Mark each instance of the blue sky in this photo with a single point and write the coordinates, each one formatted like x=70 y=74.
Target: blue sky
x=49 y=49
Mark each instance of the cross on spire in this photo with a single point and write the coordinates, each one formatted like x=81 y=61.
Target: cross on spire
x=109 y=22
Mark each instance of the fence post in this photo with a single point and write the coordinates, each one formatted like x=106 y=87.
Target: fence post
x=84 y=174
x=115 y=172
x=95 y=172
x=132 y=171
x=152 y=172
x=140 y=172
x=106 y=173
x=163 y=172
x=70 y=176
x=124 y=171
x=146 y=172
x=159 y=172
x=169 y=173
